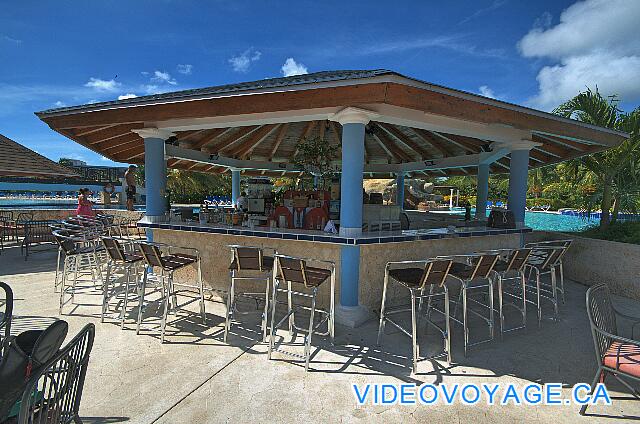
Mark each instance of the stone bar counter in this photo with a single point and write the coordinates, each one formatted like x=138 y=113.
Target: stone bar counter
x=376 y=249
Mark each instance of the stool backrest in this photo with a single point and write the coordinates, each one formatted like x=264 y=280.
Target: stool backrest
x=65 y=240
x=151 y=254
x=293 y=270
x=518 y=259
x=248 y=258
x=483 y=265
x=435 y=272
x=114 y=249
x=544 y=257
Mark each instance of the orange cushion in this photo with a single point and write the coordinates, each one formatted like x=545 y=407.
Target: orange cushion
x=629 y=358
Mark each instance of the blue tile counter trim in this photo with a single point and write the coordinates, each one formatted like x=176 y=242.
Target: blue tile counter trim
x=365 y=238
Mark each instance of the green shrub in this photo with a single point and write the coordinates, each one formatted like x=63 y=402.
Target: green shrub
x=624 y=232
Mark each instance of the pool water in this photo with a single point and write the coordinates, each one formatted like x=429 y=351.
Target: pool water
x=549 y=221
x=556 y=222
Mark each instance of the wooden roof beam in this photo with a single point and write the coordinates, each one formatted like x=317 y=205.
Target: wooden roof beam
x=279 y=137
x=207 y=138
x=430 y=138
x=389 y=145
x=230 y=140
x=110 y=133
x=565 y=142
x=406 y=140
x=86 y=131
x=246 y=147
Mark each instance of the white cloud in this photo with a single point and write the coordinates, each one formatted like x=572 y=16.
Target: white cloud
x=102 y=85
x=486 y=92
x=454 y=43
x=185 y=69
x=163 y=78
x=59 y=104
x=595 y=43
x=11 y=40
x=242 y=62
x=291 y=68
x=493 y=6
x=127 y=96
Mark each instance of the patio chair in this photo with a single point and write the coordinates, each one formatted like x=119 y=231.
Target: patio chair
x=416 y=276
x=295 y=270
x=53 y=394
x=555 y=243
x=510 y=274
x=615 y=355
x=544 y=260
x=36 y=233
x=19 y=222
x=79 y=259
x=167 y=264
x=474 y=274
x=119 y=261
x=6 y=313
x=250 y=260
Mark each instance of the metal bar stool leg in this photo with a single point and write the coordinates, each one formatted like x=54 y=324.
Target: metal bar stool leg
x=230 y=306
x=265 y=313
x=127 y=280
x=105 y=292
x=143 y=287
x=332 y=306
x=307 y=347
x=414 y=332
x=500 y=305
x=382 y=309
x=201 y=286
x=272 y=333
x=464 y=318
x=447 y=323
x=167 y=300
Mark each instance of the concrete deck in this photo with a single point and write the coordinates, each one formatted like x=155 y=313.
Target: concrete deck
x=195 y=377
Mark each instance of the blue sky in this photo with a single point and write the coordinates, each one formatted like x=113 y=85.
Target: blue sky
x=533 y=53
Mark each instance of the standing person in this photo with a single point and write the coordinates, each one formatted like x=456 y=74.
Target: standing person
x=130 y=178
x=85 y=206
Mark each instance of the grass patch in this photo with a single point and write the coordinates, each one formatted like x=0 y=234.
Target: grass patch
x=624 y=232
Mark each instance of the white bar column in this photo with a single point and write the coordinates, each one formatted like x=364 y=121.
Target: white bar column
x=155 y=171
x=482 y=193
x=353 y=120
x=518 y=172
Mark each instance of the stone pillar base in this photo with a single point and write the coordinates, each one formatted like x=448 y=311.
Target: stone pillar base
x=352 y=316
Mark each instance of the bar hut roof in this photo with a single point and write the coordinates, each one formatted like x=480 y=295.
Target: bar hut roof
x=416 y=127
x=18 y=161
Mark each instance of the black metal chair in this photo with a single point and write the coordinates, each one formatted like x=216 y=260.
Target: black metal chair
x=120 y=261
x=54 y=393
x=555 y=243
x=615 y=355
x=509 y=272
x=248 y=260
x=6 y=313
x=36 y=233
x=474 y=274
x=544 y=260
x=167 y=264
x=295 y=270
x=430 y=275
x=79 y=259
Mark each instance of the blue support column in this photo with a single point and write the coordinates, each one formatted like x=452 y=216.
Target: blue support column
x=235 y=185
x=155 y=177
x=351 y=180
x=482 y=192
x=400 y=190
x=518 y=171
x=316 y=182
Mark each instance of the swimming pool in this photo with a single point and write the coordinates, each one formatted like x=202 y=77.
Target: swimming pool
x=550 y=221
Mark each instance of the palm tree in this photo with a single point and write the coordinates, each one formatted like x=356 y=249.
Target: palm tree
x=590 y=107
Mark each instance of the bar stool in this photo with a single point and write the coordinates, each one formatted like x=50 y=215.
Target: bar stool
x=470 y=272
x=79 y=260
x=168 y=263
x=123 y=262
x=294 y=270
x=510 y=269
x=555 y=243
x=248 y=259
x=431 y=274
x=544 y=260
